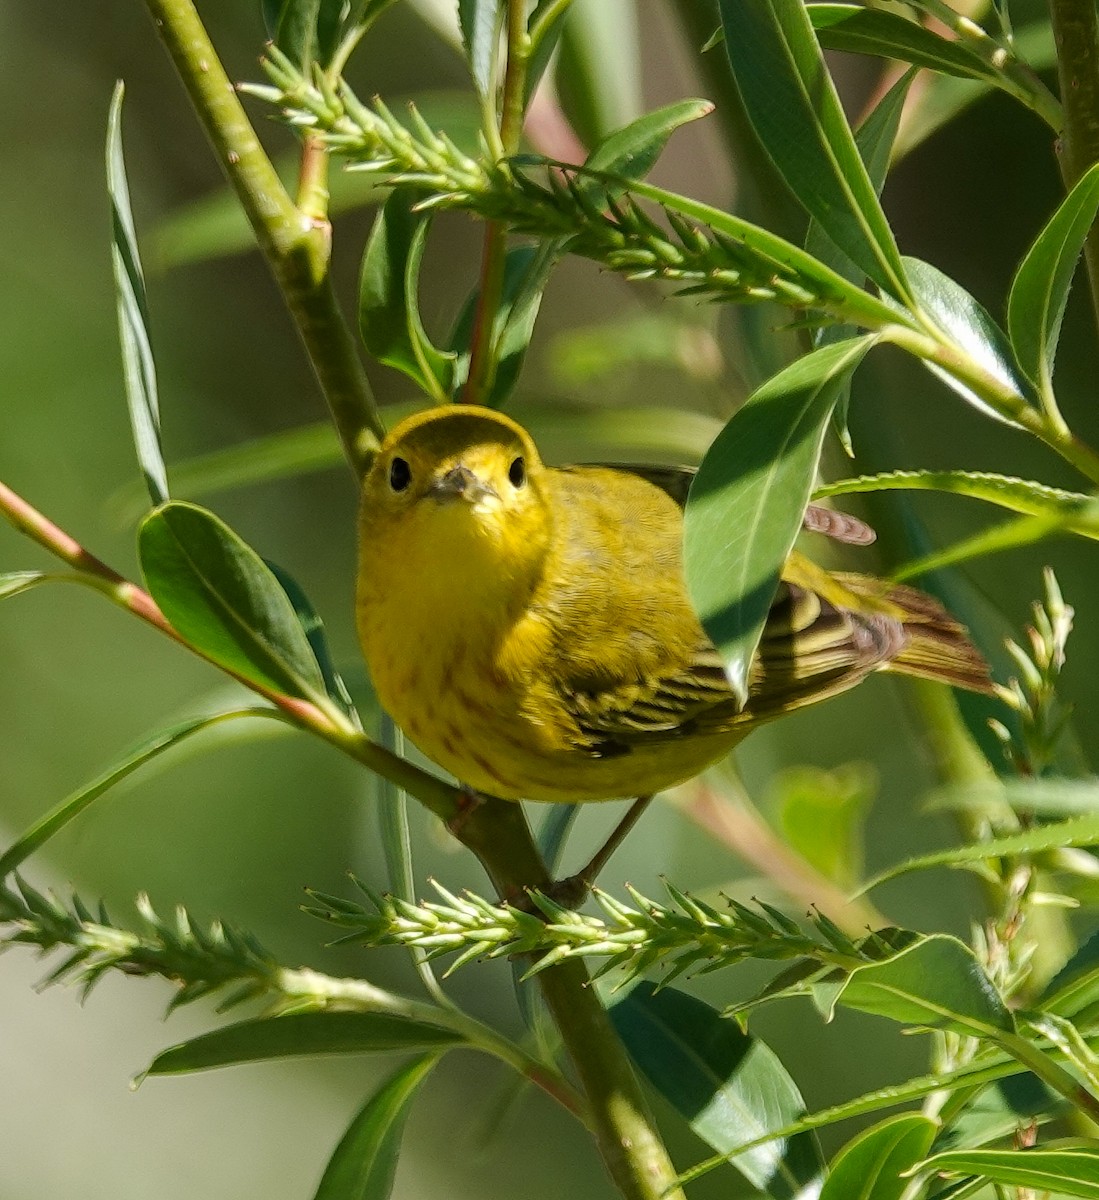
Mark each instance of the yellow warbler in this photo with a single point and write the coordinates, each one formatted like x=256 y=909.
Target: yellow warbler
x=529 y=627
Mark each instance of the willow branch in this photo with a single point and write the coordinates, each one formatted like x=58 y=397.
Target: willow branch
x=296 y=244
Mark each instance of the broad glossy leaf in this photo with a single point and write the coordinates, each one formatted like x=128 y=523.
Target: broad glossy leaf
x=149 y=748
x=1039 y=291
x=1000 y=1110
x=139 y=370
x=221 y=597
x=364 y=1164
x=389 y=317
x=871 y=1166
x=860 y=30
x=970 y=327
x=747 y=501
x=792 y=103
x=1080 y=831
x=298 y=1035
x=937 y=983
x=480 y=25
x=731 y=1088
x=1071 y=1170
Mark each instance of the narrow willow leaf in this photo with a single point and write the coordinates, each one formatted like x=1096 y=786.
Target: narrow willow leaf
x=72 y=806
x=1076 y=986
x=968 y=325
x=480 y=25
x=139 y=370
x=1010 y=535
x=730 y=1087
x=989 y=1068
x=872 y=1165
x=364 y=1164
x=747 y=501
x=792 y=103
x=1070 y=1170
x=1039 y=291
x=632 y=151
x=1046 y=797
x=220 y=597
x=300 y=1035
x=883 y=34
x=937 y=983
x=389 y=317
x=1008 y=491
x=1080 y=831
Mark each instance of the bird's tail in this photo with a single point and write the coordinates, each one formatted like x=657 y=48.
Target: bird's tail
x=936 y=646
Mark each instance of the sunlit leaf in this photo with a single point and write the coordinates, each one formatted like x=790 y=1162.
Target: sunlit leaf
x=937 y=982
x=149 y=748
x=968 y=325
x=222 y=598
x=792 y=103
x=364 y=1164
x=1039 y=291
x=12 y=583
x=731 y=1088
x=139 y=370
x=1080 y=831
x=872 y=1165
x=299 y=1035
x=1070 y=1170
x=747 y=501
x=860 y=30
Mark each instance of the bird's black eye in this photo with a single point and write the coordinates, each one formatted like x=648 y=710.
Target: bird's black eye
x=517 y=473
x=400 y=474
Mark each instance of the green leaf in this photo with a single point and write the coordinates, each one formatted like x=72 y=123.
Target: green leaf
x=139 y=370
x=389 y=317
x=1071 y=1170
x=306 y=31
x=859 y=30
x=632 y=151
x=1010 y=535
x=526 y=271
x=149 y=748
x=480 y=25
x=731 y=1088
x=1080 y=831
x=747 y=501
x=1008 y=491
x=968 y=325
x=1046 y=797
x=821 y=816
x=222 y=599
x=1039 y=291
x=299 y=1035
x=871 y=1166
x=364 y=1164
x=937 y=983
x=791 y=101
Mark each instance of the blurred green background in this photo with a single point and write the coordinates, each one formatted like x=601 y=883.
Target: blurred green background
x=239 y=831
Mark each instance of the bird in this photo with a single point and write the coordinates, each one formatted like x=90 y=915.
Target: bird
x=529 y=627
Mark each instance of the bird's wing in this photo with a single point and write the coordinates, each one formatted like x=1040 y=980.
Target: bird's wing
x=676 y=482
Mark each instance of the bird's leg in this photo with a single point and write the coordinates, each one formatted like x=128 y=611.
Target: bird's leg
x=468 y=803
x=570 y=892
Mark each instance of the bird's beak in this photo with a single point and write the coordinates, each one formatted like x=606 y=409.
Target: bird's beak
x=460 y=483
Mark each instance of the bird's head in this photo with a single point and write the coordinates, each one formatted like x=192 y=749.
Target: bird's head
x=463 y=484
